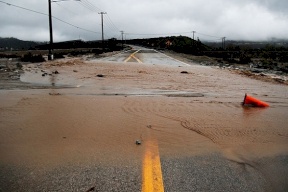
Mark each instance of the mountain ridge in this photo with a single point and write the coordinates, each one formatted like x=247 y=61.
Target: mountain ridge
x=11 y=43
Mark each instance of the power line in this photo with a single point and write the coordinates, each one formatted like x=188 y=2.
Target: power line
x=111 y=22
x=160 y=34
x=75 y=26
x=66 y=8
x=108 y=21
x=87 y=30
x=23 y=8
x=89 y=6
x=92 y=5
x=86 y=6
x=209 y=35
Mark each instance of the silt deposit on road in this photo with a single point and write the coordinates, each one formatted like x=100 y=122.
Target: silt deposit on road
x=79 y=132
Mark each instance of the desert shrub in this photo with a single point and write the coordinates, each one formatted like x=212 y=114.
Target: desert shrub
x=97 y=51
x=244 y=59
x=29 y=57
x=283 y=58
x=59 y=55
x=3 y=55
x=268 y=64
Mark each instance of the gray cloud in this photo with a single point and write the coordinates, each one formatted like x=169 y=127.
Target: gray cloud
x=277 y=6
x=246 y=19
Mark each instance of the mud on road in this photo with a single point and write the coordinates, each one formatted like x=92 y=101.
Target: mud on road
x=77 y=131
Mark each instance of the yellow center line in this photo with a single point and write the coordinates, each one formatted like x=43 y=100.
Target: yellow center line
x=138 y=60
x=152 y=180
x=133 y=56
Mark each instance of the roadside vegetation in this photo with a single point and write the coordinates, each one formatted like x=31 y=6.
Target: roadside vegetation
x=38 y=52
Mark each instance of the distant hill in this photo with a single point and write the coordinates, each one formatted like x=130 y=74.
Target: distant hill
x=249 y=44
x=180 y=44
x=16 y=44
x=7 y=44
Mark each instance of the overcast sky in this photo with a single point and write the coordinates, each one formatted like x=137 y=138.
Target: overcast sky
x=211 y=19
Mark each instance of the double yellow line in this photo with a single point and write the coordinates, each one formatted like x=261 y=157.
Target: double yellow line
x=134 y=57
x=152 y=180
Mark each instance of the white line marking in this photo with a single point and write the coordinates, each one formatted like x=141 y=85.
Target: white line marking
x=173 y=58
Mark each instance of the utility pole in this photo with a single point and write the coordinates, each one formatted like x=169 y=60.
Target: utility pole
x=193 y=37
x=50 y=55
x=223 y=42
x=102 y=13
x=122 y=33
x=193 y=34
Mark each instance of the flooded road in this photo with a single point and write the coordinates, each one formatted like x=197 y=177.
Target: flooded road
x=80 y=132
x=144 y=55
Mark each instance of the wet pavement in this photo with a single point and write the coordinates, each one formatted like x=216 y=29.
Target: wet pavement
x=144 y=55
x=79 y=132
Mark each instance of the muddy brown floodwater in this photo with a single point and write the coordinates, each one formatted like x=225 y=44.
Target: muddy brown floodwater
x=82 y=118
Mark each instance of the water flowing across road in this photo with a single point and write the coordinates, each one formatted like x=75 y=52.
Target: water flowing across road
x=141 y=121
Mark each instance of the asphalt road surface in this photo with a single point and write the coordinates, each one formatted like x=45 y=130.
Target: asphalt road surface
x=144 y=55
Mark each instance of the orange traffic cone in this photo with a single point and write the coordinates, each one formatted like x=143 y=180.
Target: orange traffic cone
x=248 y=100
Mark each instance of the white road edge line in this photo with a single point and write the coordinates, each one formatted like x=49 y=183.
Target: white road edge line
x=173 y=58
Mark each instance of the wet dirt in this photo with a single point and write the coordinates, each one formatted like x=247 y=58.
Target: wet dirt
x=80 y=117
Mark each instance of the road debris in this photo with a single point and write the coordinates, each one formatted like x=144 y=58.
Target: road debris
x=54 y=94
x=91 y=189
x=253 y=102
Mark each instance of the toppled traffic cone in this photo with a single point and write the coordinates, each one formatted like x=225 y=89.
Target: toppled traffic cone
x=251 y=101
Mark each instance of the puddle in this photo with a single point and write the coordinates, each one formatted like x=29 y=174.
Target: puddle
x=48 y=80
